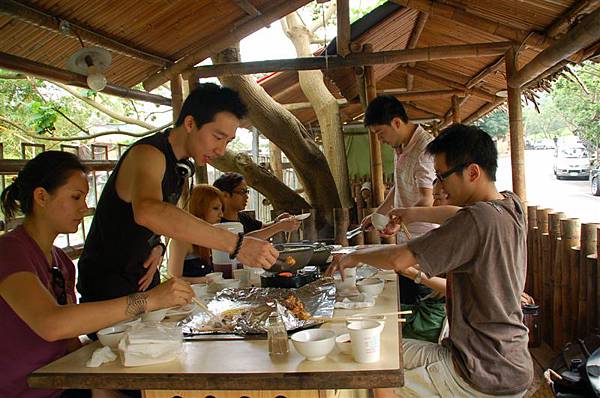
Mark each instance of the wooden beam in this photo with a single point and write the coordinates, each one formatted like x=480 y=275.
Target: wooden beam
x=517 y=140
x=482 y=74
x=581 y=36
x=13 y=166
x=435 y=8
x=343 y=28
x=374 y=144
x=248 y=8
x=563 y=22
x=413 y=40
x=455 y=109
x=43 y=20
x=221 y=41
x=354 y=59
x=51 y=73
x=419 y=95
x=484 y=95
x=422 y=108
x=176 y=96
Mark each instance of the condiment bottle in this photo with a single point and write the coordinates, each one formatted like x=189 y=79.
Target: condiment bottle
x=277 y=335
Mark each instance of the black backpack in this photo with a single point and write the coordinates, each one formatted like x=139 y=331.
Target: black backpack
x=578 y=366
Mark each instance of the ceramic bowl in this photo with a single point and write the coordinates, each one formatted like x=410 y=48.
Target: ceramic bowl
x=200 y=289
x=370 y=286
x=344 y=344
x=155 y=316
x=225 y=283
x=314 y=344
x=112 y=335
x=214 y=276
x=379 y=221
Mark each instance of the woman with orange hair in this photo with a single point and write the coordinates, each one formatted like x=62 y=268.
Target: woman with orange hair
x=190 y=261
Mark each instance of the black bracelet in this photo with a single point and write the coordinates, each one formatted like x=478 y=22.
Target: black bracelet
x=238 y=245
x=164 y=248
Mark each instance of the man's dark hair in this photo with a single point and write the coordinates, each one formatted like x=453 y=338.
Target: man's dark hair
x=208 y=99
x=383 y=109
x=465 y=145
x=228 y=182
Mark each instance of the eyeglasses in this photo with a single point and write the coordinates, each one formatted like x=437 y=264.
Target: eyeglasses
x=242 y=191
x=440 y=177
x=58 y=285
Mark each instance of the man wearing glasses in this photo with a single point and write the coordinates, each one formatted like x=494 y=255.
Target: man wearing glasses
x=235 y=199
x=482 y=249
x=413 y=168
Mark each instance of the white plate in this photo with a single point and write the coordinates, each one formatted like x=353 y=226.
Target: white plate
x=301 y=217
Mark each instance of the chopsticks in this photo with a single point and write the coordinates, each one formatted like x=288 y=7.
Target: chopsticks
x=405 y=230
x=200 y=304
x=364 y=317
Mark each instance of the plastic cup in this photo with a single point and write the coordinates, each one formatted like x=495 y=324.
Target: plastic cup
x=200 y=289
x=220 y=259
x=241 y=274
x=366 y=340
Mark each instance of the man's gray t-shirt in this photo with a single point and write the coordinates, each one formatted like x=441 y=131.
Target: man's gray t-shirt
x=483 y=250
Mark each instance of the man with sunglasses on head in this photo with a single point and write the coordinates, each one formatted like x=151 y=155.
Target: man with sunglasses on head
x=235 y=198
x=482 y=249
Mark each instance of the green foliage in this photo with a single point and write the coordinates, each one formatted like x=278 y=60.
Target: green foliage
x=43 y=117
x=547 y=123
x=494 y=123
x=580 y=110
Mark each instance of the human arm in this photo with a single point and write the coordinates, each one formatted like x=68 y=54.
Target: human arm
x=152 y=264
x=40 y=311
x=435 y=215
x=287 y=224
x=436 y=283
x=177 y=253
x=392 y=257
x=140 y=183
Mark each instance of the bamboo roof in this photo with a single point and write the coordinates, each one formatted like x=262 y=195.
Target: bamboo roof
x=151 y=41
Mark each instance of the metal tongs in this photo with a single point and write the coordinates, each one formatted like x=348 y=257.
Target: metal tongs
x=353 y=232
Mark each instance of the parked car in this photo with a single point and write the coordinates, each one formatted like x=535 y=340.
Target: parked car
x=594 y=180
x=545 y=143
x=571 y=161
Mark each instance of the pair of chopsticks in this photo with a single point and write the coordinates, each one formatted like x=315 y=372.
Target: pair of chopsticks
x=365 y=317
x=200 y=304
x=406 y=231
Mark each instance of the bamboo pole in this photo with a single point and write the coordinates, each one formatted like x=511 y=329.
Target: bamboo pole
x=53 y=74
x=341 y=222
x=342 y=40
x=532 y=267
x=517 y=141
x=412 y=43
x=374 y=144
x=455 y=109
x=563 y=22
x=351 y=60
x=372 y=236
x=587 y=248
x=176 y=96
x=581 y=36
x=565 y=313
x=226 y=38
x=543 y=283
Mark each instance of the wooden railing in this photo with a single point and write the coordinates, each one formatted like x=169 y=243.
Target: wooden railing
x=562 y=274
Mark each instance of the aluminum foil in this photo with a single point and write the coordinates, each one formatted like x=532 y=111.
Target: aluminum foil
x=245 y=311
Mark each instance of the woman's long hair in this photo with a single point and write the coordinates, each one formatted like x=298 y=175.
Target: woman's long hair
x=200 y=199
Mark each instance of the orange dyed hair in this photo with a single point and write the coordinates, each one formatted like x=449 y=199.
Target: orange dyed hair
x=201 y=197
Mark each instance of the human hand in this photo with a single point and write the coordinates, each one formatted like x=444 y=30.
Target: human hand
x=402 y=215
x=173 y=293
x=282 y=216
x=390 y=230
x=257 y=253
x=289 y=224
x=339 y=263
x=152 y=263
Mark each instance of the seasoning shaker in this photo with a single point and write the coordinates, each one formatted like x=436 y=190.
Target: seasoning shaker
x=277 y=335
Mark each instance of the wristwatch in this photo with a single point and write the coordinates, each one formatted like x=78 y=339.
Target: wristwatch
x=418 y=277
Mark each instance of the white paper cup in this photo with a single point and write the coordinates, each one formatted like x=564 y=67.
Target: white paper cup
x=214 y=276
x=366 y=340
x=200 y=289
x=220 y=257
x=241 y=274
x=349 y=272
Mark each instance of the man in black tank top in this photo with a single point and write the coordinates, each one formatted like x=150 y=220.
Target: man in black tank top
x=138 y=203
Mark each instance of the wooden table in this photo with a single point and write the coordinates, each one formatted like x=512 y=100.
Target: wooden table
x=239 y=365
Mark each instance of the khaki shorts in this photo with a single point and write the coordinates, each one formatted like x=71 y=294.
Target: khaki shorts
x=429 y=372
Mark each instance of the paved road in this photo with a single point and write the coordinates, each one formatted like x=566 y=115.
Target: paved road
x=572 y=197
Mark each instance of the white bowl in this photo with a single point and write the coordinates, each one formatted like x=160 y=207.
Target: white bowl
x=214 y=276
x=346 y=284
x=314 y=344
x=226 y=283
x=112 y=335
x=344 y=343
x=301 y=217
x=155 y=316
x=379 y=221
x=370 y=286
x=200 y=289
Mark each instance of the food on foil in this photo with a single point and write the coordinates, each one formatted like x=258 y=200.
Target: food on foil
x=296 y=307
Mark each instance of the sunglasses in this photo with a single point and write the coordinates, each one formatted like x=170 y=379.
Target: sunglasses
x=58 y=285
x=440 y=177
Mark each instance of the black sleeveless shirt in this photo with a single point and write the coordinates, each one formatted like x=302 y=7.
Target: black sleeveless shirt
x=116 y=247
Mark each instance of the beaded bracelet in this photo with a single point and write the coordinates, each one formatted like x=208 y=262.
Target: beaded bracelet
x=238 y=246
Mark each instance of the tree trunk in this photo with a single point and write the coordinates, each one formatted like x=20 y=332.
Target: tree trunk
x=284 y=130
x=275 y=160
x=326 y=108
x=280 y=195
